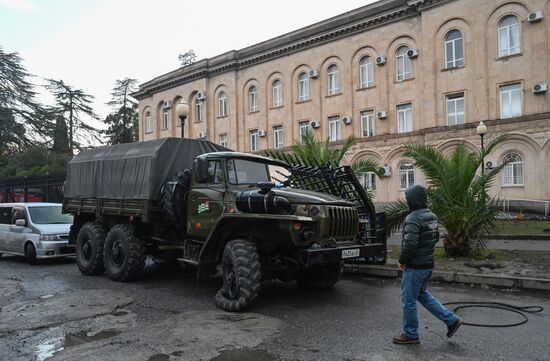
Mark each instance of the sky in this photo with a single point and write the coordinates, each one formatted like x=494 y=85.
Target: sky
x=91 y=43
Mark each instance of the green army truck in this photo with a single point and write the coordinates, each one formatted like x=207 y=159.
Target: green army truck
x=244 y=217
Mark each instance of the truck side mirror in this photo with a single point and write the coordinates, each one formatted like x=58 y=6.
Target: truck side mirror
x=20 y=222
x=202 y=170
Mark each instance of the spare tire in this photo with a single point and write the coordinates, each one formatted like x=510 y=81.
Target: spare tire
x=173 y=199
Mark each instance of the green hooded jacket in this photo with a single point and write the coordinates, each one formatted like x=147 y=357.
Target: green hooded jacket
x=420 y=232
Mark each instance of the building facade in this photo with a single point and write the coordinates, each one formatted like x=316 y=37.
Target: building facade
x=389 y=73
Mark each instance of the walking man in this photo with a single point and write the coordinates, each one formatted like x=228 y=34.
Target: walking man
x=420 y=234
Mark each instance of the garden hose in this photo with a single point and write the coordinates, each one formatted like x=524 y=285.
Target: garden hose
x=497 y=305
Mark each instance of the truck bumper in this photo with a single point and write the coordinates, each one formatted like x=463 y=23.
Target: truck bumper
x=316 y=256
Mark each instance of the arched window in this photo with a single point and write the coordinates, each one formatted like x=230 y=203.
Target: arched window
x=277 y=93
x=222 y=104
x=406 y=175
x=253 y=99
x=148 y=123
x=198 y=110
x=512 y=174
x=508 y=36
x=303 y=87
x=403 y=64
x=333 y=79
x=366 y=72
x=165 y=118
x=454 y=51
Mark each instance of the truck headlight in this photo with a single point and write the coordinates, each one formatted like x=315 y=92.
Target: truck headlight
x=49 y=237
x=308 y=210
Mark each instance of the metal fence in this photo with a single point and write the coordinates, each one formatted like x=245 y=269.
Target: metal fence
x=36 y=188
x=526 y=205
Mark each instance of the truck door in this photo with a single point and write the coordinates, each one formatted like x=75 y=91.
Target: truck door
x=5 y=225
x=205 y=200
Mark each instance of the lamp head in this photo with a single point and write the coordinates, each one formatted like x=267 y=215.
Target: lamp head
x=182 y=109
x=481 y=128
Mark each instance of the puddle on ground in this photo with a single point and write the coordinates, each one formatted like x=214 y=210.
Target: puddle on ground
x=159 y=357
x=73 y=339
x=59 y=343
x=48 y=349
x=245 y=355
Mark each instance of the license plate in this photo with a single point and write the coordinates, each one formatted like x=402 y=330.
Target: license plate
x=350 y=253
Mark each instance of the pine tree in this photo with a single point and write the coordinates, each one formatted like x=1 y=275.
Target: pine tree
x=123 y=121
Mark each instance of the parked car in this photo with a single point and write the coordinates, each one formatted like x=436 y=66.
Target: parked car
x=35 y=230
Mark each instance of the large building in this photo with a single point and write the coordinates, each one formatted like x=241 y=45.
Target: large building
x=388 y=73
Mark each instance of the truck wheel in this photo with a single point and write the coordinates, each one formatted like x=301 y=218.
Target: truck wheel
x=124 y=253
x=30 y=253
x=241 y=276
x=89 y=248
x=320 y=277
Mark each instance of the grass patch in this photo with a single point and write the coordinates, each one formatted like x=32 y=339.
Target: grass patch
x=516 y=227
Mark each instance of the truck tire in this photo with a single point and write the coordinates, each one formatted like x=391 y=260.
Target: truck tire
x=173 y=199
x=241 y=276
x=124 y=254
x=89 y=248
x=320 y=277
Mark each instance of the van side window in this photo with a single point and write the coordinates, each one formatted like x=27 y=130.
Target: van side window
x=18 y=214
x=5 y=215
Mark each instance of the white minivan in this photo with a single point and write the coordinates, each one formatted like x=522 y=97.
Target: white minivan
x=35 y=230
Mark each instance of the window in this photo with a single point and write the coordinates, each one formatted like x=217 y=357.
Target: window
x=254 y=140
x=508 y=36
x=455 y=109
x=304 y=127
x=403 y=64
x=366 y=72
x=223 y=140
x=404 y=118
x=165 y=118
x=454 y=51
x=367 y=123
x=278 y=136
x=303 y=87
x=253 y=99
x=406 y=176
x=510 y=100
x=213 y=175
x=512 y=173
x=333 y=79
x=277 y=94
x=198 y=111
x=222 y=104
x=368 y=180
x=334 y=131
x=148 y=123
x=247 y=172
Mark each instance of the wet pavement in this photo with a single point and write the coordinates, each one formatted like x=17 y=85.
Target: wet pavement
x=52 y=312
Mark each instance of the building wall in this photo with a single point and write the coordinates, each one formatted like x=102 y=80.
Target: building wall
x=480 y=78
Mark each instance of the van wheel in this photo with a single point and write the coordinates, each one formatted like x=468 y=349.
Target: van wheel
x=124 y=253
x=30 y=253
x=241 y=276
x=89 y=248
x=320 y=277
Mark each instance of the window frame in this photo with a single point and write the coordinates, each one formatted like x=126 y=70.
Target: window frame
x=368 y=116
x=335 y=122
x=222 y=140
x=303 y=127
x=366 y=72
x=454 y=62
x=508 y=51
x=148 y=122
x=277 y=93
x=406 y=169
x=402 y=109
x=252 y=99
x=333 y=79
x=222 y=104
x=165 y=118
x=510 y=94
x=368 y=181
x=303 y=87
x=254 y=138
x=403 y=75
x=199 y=105
x=513 y=167
x=278 y=137
x=454 y=98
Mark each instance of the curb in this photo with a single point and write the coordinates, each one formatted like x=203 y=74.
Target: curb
x=521 y=237
x=456 y=277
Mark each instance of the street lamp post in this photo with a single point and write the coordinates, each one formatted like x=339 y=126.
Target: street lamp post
x=182 y=109
x=481 y=130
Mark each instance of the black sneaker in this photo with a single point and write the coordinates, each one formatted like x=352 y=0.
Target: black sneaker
x=451 y=330
x=405 y=340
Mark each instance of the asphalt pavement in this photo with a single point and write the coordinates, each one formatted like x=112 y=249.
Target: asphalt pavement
x=51 y=311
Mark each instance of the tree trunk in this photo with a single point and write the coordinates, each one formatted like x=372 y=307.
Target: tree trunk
x=456 y=246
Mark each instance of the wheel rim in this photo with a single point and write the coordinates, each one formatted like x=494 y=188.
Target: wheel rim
x=230 y=280
x=117 y=254
x=87 y=250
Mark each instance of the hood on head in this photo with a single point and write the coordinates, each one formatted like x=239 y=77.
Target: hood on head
x=417 y=197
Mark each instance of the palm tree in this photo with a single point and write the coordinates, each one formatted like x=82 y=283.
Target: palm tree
x=457 y=193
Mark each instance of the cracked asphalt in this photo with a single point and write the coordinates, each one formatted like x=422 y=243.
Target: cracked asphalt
x=53 y=312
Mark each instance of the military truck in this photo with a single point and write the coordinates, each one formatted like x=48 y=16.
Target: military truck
x=244 y=217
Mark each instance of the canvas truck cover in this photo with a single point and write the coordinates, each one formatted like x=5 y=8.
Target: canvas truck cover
x=132 y=170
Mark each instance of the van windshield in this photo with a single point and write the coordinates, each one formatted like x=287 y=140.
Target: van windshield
x=49 y=215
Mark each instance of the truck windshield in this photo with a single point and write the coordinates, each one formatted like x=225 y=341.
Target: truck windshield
x=49 y=215
x=246 y=172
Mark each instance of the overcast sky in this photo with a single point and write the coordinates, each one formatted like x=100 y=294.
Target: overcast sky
x=91 y=43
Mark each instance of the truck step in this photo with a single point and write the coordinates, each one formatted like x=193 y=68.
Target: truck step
x=191 y=262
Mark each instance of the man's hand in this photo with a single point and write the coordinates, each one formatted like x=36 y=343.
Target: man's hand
x=401 y=266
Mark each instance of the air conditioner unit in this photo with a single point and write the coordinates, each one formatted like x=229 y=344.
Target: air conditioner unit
x=315 y=124
x=314 y=73
x=381 y=60
x=535 y=16
x=167 y=104
x=202 y=135
x=346 y=120
x=201 y=95
x=490 y=164
x=540 y=88
x=412 y=53
x=381 y=114
x=385 y=171
x=261 y=133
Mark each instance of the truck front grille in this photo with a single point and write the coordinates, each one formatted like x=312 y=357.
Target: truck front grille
x=343 y=222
